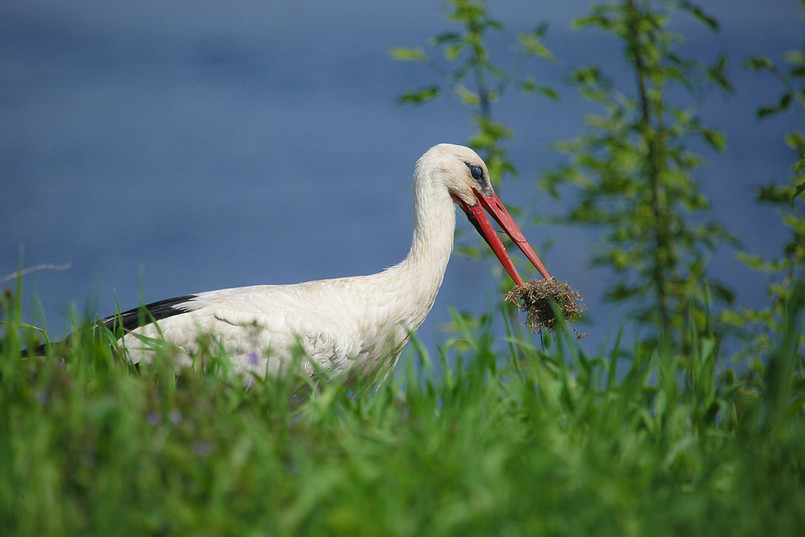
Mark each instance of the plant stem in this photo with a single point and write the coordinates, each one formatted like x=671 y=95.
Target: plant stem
x=654 y=147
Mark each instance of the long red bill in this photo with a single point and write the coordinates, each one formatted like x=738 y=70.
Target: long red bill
x=492 y=204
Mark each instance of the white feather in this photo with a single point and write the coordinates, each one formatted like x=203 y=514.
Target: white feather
x=356 y=325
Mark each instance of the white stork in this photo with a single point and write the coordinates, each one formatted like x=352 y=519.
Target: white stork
x=357 y=325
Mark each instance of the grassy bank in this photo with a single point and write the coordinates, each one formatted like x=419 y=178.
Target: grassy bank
x=495 y=438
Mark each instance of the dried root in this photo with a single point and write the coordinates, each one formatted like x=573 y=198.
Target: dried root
x=537 y=297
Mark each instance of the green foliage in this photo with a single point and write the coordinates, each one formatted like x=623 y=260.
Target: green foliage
x=633 y=173
x=788 y=76
x=468 y=72
x=787 y=273
x=495 y=436
x=526 y=441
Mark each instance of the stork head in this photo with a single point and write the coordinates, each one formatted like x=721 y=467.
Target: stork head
x=467 y=180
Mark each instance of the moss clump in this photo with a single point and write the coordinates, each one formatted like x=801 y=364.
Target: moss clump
x=536 y=298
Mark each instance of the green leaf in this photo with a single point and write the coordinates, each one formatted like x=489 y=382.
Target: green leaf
x=726 y=294
x=589 y=75
x=795 y=56
x=795 y=141
x=795 y=223
x=530 y=86
x=408 y=54
x=766 y=111
x=548 y=92
x=532 y=44
x=775 y=194
x=448 y=37
x=732 y=318
x=800 y=187
x=420 y=96
x=718 y=73
x=785 y=101
x=700 y=15
x=452 y=52
x=757 y=63
x=467 y=96
x=716 y=139
x=752 y=261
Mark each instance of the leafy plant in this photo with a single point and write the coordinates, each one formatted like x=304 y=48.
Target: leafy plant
x=633 y=174
x=467 y=72
x=787 y=273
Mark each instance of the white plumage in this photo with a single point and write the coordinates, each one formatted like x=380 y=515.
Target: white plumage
x=356 y=325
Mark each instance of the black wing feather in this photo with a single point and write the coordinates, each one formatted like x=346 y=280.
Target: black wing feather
x=137 y=317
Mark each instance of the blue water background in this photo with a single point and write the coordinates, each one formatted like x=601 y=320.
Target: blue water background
x=169 y=147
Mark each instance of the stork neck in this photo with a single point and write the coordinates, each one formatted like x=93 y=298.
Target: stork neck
x=422 y=271
x=434 y=228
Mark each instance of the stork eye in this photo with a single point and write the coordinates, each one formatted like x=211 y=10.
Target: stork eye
x=477 y=172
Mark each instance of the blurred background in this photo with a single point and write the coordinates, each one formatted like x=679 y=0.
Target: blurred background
x=169 y=147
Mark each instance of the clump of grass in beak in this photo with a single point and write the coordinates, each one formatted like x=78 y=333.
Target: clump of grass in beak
x=537 y=298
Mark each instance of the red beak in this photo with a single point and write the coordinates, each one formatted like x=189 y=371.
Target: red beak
x=475 y=214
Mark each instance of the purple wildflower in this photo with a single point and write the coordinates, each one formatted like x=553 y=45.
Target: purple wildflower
x=202 y=449
x=175 y=416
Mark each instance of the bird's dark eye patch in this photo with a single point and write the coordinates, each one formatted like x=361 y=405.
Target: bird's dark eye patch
x=477 y=172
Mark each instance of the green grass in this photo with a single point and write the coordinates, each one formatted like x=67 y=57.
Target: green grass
x=494 y=439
